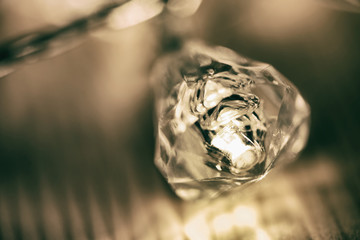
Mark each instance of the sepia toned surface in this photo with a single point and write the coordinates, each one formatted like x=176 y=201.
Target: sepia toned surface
x=77 y=132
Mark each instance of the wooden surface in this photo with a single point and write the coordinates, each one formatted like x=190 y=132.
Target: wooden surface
x=77 y=142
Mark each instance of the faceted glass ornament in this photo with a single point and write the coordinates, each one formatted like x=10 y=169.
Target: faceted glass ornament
x=223 y=120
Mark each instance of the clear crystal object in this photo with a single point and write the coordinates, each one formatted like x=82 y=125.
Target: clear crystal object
x=223 y=120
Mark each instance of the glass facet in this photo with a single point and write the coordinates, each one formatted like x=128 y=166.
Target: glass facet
x=223 y=120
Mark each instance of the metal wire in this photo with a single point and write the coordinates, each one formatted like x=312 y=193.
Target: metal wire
x=33 y=47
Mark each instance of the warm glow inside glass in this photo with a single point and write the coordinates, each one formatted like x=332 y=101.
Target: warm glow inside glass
x=223 y=120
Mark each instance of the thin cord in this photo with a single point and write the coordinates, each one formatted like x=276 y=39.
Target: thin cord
x=36 y=46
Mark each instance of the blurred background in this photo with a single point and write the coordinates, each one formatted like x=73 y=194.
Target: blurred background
x=77 y=136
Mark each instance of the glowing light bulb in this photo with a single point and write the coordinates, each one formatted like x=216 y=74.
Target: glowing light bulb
x=231 y=143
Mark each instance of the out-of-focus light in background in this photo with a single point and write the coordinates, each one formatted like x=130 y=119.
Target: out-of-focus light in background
x=270 y=210
x=282 y=19
x=183 y=8
x=135 y=12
